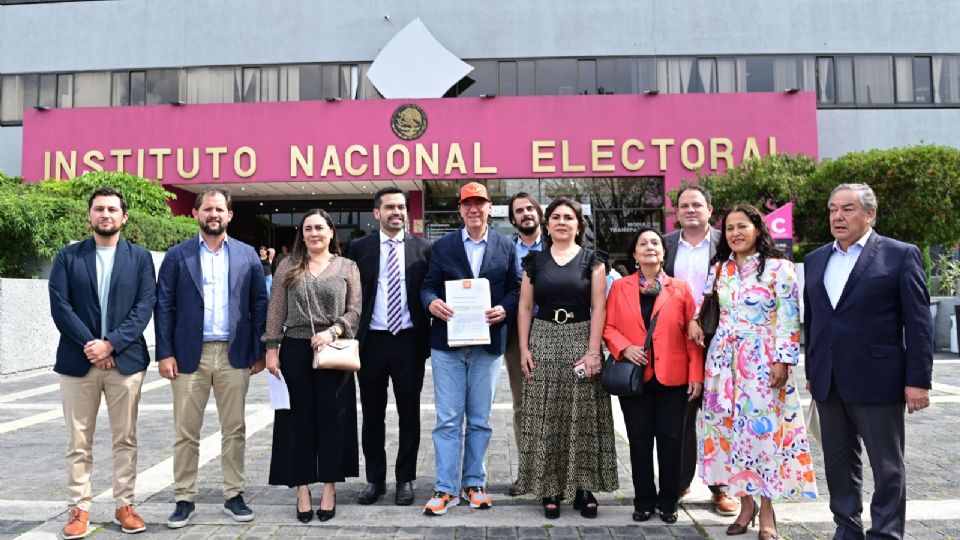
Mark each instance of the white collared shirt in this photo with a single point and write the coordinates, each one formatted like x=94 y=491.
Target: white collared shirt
x=692 y=264
x=215 y=270
x=378 y=319
x=839 y=266
x=474 y=249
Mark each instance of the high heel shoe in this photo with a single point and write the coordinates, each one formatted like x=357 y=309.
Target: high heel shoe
x=327 y=515
x=736 y=529
x=305 y=517
x=765 y=534
x=582 y=502
x=551 y=513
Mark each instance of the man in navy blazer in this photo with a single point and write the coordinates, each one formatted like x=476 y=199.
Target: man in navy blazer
x=394 y=335
x=465 y=378
x=211 y=312
x=102 y=291
x=869 y=350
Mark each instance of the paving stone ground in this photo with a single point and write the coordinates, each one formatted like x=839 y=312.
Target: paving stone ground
x=32 y=477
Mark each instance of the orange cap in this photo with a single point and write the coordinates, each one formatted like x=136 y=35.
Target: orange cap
x=473 y=190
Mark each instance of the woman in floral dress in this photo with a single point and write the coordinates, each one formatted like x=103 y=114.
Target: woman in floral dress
x=752 y=427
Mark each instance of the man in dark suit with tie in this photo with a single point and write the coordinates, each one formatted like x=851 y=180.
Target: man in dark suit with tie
x=102 y=292
x=394 y=336
x=869 y=351
x=689 y=252
x=211 y=312
x=465 y=378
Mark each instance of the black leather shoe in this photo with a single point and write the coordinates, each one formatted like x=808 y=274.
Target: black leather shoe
x=642 y=515
x=327 y=515
x=372 y=492
x=586 y=503
x=305 y=516
x=668 y=517
x=404 y=494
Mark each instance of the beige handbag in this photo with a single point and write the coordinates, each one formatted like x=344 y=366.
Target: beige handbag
x=342 y=354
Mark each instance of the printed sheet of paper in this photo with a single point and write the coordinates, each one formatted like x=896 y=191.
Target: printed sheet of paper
x=279 y=395
x=469 y=298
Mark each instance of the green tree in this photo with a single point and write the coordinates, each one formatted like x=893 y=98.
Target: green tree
x=917 y=187
x=141 y=194
x=36 y=220
x=767 y=183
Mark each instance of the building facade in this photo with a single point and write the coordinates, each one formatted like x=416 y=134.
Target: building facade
x=865 y=74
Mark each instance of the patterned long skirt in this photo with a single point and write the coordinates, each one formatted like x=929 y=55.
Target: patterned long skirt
x=566 y=427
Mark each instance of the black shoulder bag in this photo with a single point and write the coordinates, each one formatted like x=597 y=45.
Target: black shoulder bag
x=625 y=378
x=710 y=312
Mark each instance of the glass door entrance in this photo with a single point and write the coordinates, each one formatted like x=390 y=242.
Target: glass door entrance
x=276 y=223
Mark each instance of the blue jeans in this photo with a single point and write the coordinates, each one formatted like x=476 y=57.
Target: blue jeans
x=464 y=385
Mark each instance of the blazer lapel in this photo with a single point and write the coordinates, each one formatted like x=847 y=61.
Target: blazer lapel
x=233 y=273
x=462 y=253
x=120 y=260
x=632 y=292
x=863 y=262
x=90 y=261
x=192 y=259
x=485 y=261
x=408 y=261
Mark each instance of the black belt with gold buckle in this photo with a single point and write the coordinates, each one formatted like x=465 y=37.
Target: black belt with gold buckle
x=560 y=315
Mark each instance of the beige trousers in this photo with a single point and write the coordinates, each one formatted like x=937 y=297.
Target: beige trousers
x=81 y=404
x=191 y=392
x=515 y=374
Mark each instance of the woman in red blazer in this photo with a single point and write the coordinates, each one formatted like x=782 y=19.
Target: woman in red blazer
x=673 y=370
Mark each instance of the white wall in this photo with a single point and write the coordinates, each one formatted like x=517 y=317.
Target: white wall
x=843 y=130
x=150 y=33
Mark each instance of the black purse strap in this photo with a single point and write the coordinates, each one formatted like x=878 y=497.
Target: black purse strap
x=653 y=324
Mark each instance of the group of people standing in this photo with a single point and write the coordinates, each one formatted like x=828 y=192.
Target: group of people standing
x=730 y=405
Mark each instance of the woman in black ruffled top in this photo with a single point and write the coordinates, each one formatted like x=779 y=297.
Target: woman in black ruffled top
x=566 y=427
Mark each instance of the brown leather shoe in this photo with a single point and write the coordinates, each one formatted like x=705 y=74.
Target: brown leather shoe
x=514 y=490
x=128 y=520
x=77 y=524
x=684 y=492
x=724 y=504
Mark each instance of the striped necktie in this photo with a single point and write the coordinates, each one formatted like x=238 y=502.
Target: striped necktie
x=394 y=308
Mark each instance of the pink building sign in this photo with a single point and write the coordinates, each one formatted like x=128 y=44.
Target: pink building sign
x=673 y=136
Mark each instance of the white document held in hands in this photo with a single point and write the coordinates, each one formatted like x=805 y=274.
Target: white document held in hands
x=470 y=299
x=279 y=395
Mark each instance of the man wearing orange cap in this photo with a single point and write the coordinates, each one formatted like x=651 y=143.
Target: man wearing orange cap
x=465 y=378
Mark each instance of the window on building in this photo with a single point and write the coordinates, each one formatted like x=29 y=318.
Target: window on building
x=330 y=81
x=873 y=79
x=606 y=76
x=843 y=75
x=586 y=77
x=367 y=89
x=826 y=91
x=556 y=77
x=526 y=78
x=164 y=86
x=270 y=84
x=914 y=79
x=65 y=90
x=138 y=88
x=687 y=75
x=212 y=85
x=300 y=82
x=91 y=89
x=481 y=81
x=17 y=92
x=48 y=91
x=507 y=78
x=250 y=92
x=946 y=77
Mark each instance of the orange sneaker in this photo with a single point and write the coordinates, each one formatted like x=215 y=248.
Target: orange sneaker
x=478 y=497
x=128 y=520
x=438 y=505
x=77 y=524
